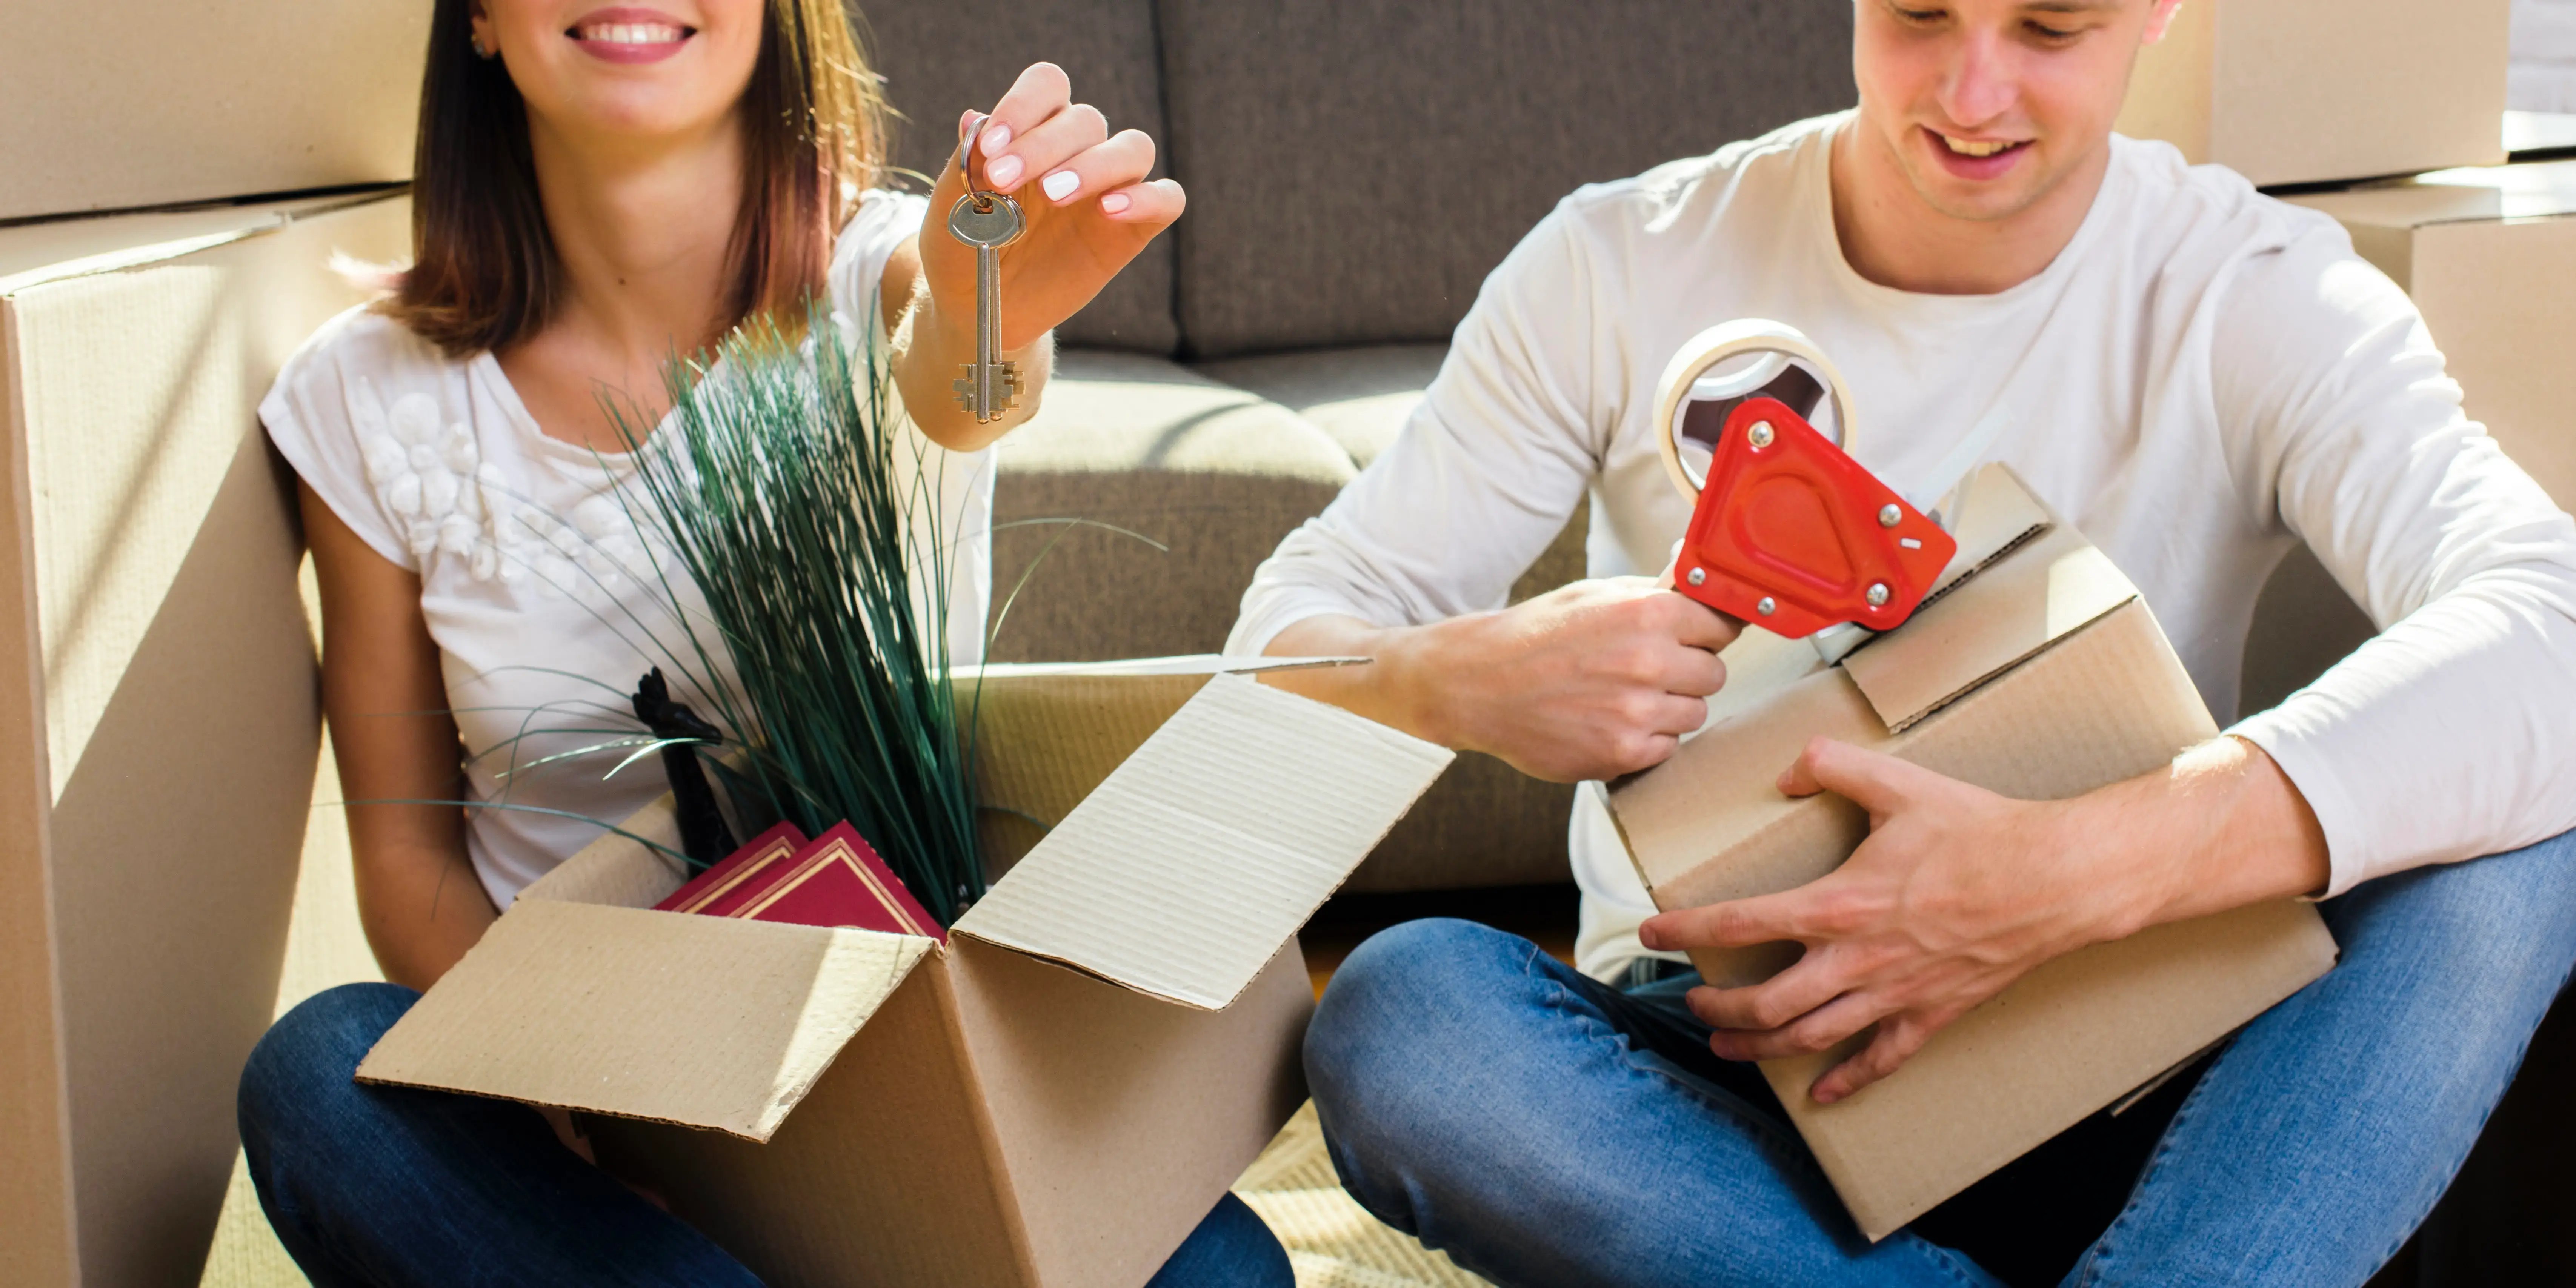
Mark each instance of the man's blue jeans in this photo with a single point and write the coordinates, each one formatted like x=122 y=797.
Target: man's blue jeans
x=1547 y=1129
x=384 y=1186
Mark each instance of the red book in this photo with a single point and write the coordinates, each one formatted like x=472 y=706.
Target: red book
x=839 y=881
x=742 y=874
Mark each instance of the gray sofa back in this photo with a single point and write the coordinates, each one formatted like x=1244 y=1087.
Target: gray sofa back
x=941 y=57
x=1356 y=167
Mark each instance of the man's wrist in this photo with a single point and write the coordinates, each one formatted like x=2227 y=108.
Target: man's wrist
x=2221 y=827
x=1409 y=658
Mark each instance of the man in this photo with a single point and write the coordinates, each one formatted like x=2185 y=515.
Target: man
x=2199 y=376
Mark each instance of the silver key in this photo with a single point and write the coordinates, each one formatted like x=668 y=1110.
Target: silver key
x=988 y=222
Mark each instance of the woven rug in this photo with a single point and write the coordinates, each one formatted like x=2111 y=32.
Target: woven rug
x=1333 y=1241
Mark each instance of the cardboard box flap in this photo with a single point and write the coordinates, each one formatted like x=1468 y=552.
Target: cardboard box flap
x=618 y=868
x=1200 y=665
x=2029 y=599
x=1188 y=868
x=703 y=1021
x=1993 y=515
x=1045 y=734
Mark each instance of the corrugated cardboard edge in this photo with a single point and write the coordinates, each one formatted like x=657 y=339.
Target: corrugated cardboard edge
x=1088 y=716
x=277 y=218
x=1980 y=643
x=35 y=1117
x=988 y=1140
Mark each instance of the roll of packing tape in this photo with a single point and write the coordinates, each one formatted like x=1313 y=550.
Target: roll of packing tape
x=1774 y=350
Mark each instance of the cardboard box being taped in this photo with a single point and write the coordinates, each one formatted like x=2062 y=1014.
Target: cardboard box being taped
x=2039 y=673
x=1056 y=1096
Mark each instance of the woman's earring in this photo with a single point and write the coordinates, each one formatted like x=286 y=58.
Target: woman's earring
x=476 y=40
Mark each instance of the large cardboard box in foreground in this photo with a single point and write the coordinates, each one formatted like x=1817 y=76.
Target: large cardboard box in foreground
x=1056 y=1095
x=160 y=729
x=114 y=104
x=2036 y=672
x=2489 y=255
x=2312 y=91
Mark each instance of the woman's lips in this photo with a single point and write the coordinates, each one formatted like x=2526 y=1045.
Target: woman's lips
x=1966 y=166
x=628 y=36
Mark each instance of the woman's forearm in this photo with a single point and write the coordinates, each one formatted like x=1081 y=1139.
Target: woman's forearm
x=422 y=910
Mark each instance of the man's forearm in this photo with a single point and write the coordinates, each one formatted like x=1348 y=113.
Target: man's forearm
x=1591 y=680
x=2221 y=827
x=1379 y=691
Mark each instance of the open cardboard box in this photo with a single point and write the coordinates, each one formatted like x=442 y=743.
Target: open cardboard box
x=1056 y=1095
x=2035 y=671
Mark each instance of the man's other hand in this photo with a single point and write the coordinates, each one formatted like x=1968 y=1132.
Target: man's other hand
x=1959 y=891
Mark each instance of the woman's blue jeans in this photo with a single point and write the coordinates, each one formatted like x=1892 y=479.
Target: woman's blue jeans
x=387 y=1187
x=1547 y=1129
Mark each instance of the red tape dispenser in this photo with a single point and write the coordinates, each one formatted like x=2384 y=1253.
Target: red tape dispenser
x=1788 y=531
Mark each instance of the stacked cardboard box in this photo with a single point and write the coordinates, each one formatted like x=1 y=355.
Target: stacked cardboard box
x=118 y=104
x=158 y=740
x=2314 y=91
x=157 y=750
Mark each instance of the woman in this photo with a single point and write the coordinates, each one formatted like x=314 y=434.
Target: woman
x=598 y=189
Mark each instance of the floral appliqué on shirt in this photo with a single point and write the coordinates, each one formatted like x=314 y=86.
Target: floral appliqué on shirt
x=449 y=501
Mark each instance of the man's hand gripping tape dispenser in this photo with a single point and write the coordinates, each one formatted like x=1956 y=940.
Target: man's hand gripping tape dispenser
x=1787 y=532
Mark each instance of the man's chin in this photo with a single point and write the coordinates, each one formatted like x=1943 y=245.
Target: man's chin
x=1979 y=201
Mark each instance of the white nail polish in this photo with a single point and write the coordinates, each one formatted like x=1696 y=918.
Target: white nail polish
x=997 y=136
x=1115 y=203
x=1003 y=171
x=1061 y=184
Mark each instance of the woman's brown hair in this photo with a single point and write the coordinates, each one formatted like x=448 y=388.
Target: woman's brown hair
x=484 y=273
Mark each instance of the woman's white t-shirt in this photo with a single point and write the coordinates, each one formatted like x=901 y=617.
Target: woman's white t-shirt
x=535 y=583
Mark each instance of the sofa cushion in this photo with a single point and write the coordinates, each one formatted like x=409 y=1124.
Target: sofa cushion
x=1214 y=473
x=1356 y=169
x=940 y=59
x=1362 y=396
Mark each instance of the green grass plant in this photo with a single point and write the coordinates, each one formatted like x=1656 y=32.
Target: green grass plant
x=775 y=486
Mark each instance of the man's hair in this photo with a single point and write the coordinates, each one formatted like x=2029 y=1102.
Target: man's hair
x=484 y=272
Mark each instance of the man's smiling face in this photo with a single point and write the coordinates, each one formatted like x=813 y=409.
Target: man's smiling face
x=1986 y=105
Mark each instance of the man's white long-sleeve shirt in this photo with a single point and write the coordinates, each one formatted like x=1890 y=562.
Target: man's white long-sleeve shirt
x=2202 y=377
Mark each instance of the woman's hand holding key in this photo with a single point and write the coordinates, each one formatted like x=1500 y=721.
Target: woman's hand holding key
x=1089 y=210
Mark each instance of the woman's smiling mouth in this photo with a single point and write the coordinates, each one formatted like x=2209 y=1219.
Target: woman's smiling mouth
x=629 y=35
